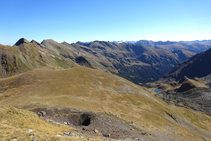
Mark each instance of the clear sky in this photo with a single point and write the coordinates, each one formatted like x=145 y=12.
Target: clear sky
x=107 y=20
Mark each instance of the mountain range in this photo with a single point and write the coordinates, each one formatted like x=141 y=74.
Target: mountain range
x=86 y=91
x=137 y=63
x=192 y=46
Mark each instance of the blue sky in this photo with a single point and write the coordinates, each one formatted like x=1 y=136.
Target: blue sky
x=107 y=20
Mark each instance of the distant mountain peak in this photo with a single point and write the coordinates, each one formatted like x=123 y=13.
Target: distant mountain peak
x=21 y=41
x=48 y=40
x=35 y=42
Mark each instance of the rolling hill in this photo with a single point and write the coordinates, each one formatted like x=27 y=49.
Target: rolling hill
x=106 y=102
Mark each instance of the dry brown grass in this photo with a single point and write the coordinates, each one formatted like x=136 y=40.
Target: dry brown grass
x=14 y=124
x=98 y=91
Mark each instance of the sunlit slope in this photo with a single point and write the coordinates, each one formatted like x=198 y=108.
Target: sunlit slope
x=16 y=124
x=97 y=91
x=25 y=55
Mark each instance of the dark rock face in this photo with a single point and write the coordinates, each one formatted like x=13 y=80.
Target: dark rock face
x=8 y=64
x=83 y=62
x=85 y=119
x=4 y=61
x=21 y=41
x=186 y=86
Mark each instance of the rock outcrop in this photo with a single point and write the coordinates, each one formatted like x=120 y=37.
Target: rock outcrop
x=21 y=41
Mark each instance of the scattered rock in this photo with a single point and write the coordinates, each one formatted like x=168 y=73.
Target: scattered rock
x=67 y=134
x=81 y=136
x=107 y=135
x=58 y=135
x=174 y=83
x=29 y=130
x=41 y=113
x=67 y=123
x=31 y=136
x=88 y=123
x=132 y=124
x=96 y=131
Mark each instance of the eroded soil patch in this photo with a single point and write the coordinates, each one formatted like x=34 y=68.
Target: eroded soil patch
x=90 y=123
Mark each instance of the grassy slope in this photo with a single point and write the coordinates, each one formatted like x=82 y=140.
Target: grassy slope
x=14 y=124
x=95 y=90
x=28 y=56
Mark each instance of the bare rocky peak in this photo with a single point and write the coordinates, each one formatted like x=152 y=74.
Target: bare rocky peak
x=21 y=41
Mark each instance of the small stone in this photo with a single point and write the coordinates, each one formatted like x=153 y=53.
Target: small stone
x=70 y=134
x=14 y=139
x=33 y=140
x=107 y=135
x=58 y=135
x=65 y=123
x=131 y=129
x=65 y=134
x=132 y=123
x=96 y=131
x=41 y=113
x=31 y=136
x=29 y=130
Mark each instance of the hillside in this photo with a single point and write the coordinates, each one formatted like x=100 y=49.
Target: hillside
x=183 y=54
x=25 y=56
x=109 y=99
x=196 y=66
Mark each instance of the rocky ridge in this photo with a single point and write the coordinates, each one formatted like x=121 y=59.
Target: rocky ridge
x=137 y=63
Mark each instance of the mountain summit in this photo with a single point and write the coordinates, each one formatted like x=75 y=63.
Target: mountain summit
x=21 y=41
